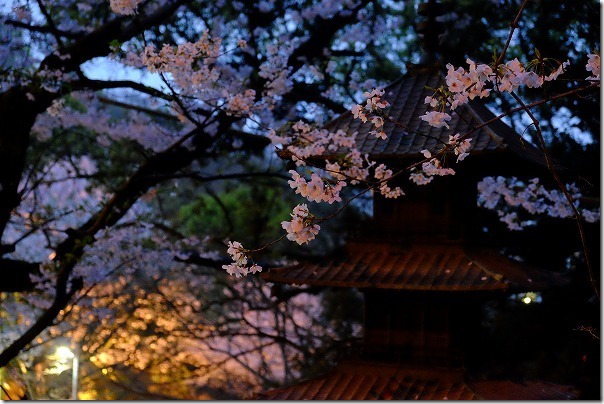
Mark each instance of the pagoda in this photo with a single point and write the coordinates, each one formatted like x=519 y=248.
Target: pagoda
x=423 y=266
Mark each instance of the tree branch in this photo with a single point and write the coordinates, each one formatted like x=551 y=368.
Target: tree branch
x=562 y=188
x=15 y=275
x=97 y=43
x=149 y=111
x=71 y=249
x=52 y=27
x=43 y=29
x=89 y=84
x=513 y=26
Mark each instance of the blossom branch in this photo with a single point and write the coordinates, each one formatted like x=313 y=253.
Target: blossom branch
x=148 y=111
x=91 y=84
x=71 y=249
x=43 y=29
x=513 y=26
x=563 y=189
x=52 y=26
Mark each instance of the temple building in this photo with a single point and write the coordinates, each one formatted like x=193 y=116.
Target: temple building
x=425 y=266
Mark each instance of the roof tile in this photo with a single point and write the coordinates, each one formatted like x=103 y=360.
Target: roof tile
x=352 y=380
x=371 y=381
x=414 y=267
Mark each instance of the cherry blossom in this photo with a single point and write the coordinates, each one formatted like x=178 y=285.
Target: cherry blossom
x=373 y=108
x=317 y=189
x=433 y=167
x=561 y=69
x=301 y=229
x=358 y=112
x=461 y=148
x=593 y=66
x=502 y=193
x=205 y=79
x=431 y=100
x=241 y=103
x=239 y=267
x=436 y=119
x=378 y=122
x=382 y=173
x=419 y=178
x=125 y=7
x=461 y=86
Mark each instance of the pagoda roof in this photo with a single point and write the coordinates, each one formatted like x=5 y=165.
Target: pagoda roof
x=435 y=267
x=361 y=380
x=411 y=135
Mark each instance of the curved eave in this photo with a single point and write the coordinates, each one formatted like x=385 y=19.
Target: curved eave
x=276 y=278
x=364 y=380
x=420 y=267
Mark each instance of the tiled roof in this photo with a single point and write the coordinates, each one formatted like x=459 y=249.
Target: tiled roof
x=371 y=381
x=379 y=381
x=414 y=267
x=411 y=135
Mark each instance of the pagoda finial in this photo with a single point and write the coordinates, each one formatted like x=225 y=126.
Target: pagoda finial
x=430 y=30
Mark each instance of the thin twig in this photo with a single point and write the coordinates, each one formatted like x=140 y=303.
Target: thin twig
x=513 y=25
x=560 y=184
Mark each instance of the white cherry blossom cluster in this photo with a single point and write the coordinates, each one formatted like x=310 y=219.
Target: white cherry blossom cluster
x=124 y=7
x=135 y=126
x=240 y=103
x=512 y=220
x=52 y=79
x=326 y=9
x=305 y=141
x=354 y=167
x=317 y=189
x=371 y=111
x=436 y=119
x=308 y=74
x=383 y=174
x=301 y=228
x=464 y=85
x=55 y=108
x=593 y=66
x=239 y=267
x=173 y=59
x=502 y=193
x=430 y=169
x=460 y=147
x=277 y=73
x=202 y=74
x=131 y=244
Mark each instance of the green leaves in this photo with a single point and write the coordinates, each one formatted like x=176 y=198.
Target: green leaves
x=115 y=45
x=248 y=213
x=538 y=54
x=75 y=104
